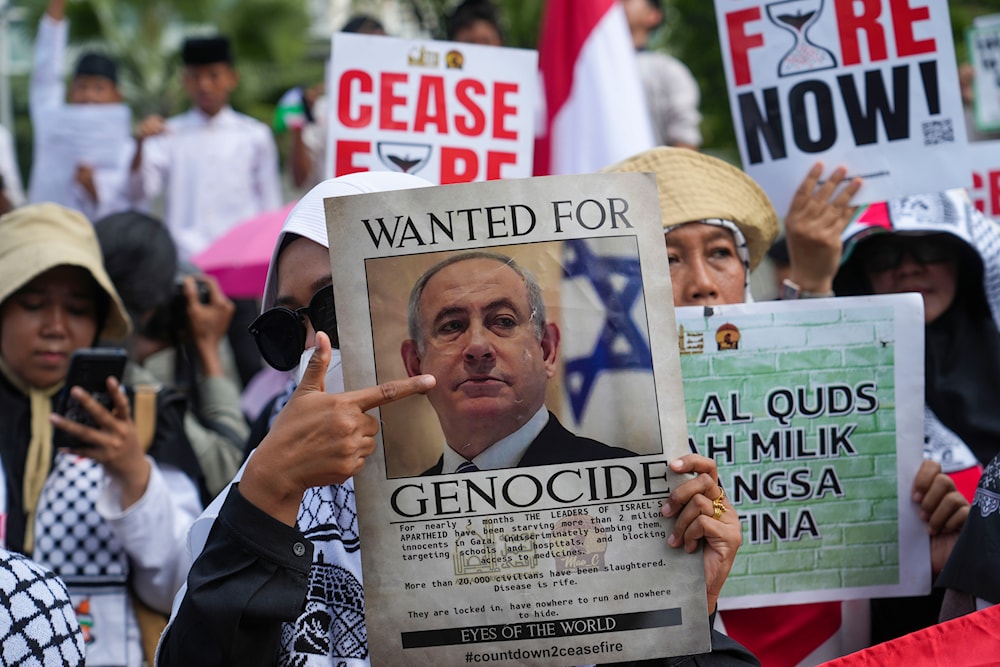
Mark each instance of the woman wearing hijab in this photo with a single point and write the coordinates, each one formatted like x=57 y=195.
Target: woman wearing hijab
x=276 y=577
x=940 y=246
x=104 y=516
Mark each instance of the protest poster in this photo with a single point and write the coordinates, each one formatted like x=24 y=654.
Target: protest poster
x=983 y=39
x=985 y=190
x=448 y=112
x=813 y=411
x=546 y=562
x=871 y=85
x=96 y=135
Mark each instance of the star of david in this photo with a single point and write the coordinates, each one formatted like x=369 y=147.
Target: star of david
x=620 y=345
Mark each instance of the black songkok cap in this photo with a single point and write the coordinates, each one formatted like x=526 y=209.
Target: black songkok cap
x=206 y=51
x=96 y=64
x=363 y=23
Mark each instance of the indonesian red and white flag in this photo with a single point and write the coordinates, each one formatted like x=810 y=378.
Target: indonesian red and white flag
x=595 y=109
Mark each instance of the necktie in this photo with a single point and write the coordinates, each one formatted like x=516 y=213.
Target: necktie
x=467 y=466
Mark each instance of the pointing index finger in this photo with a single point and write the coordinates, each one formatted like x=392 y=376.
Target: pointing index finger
x=387 y=392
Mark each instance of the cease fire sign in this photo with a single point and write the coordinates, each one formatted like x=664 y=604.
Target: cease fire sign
x=444 y=111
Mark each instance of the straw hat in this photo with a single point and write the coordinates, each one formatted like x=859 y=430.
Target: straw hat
x=40 y=237
x=694 y=186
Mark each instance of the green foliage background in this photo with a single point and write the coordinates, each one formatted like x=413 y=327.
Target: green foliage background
x=274 y=50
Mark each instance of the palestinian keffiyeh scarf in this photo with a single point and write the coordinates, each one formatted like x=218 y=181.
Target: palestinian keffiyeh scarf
x=332 y=622
x=37 y=623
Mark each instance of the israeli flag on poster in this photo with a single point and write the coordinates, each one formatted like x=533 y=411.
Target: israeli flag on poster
x=608 y=390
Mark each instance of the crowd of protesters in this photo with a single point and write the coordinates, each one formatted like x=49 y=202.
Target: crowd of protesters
x=97 y=514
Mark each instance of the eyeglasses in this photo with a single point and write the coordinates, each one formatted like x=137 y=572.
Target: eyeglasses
x=280 y=333
x=884 y=252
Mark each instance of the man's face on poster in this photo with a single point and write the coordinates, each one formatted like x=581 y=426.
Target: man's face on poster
x=479 y=338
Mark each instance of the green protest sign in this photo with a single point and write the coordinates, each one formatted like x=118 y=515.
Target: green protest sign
x=813 y=411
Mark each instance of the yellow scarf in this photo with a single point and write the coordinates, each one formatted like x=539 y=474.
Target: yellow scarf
x=39 y=459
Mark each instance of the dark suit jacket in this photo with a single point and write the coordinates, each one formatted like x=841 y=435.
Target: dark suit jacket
x=557 y=445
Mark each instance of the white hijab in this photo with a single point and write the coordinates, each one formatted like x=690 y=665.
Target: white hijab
x=308 y=218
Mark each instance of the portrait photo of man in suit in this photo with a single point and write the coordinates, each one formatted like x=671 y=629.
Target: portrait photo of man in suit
x=477 y=322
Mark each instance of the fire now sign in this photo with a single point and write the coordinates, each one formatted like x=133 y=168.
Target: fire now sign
x=869 y=84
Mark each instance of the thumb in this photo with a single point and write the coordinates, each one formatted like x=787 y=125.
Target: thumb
x=314 y=379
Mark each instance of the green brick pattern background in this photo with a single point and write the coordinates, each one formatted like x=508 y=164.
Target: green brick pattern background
x=858 y=532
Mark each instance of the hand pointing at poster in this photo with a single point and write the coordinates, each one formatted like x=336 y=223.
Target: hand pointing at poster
x=318 y=438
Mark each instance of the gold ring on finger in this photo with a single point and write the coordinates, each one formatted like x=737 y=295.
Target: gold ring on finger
x=719 y=504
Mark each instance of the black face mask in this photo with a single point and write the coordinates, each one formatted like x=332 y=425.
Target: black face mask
x=281 y=333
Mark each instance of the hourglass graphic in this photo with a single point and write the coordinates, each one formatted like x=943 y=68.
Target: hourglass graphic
x=797 y=17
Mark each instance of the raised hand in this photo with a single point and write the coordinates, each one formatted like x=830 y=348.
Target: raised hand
x=817 y=216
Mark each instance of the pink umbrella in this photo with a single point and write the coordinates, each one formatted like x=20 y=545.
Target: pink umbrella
x=239 y=258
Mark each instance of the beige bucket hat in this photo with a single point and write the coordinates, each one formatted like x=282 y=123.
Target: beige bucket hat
x=39 y=237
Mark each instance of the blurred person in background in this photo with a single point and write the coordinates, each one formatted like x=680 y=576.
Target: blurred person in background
x=474 y=22
x=214 y=167
x=181 y=319
x=301 y=112
x=11 y=192
x=96 y=191
x=672 y=93
x=109 y=511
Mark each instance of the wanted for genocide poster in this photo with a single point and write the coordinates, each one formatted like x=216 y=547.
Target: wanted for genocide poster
x=552 y=549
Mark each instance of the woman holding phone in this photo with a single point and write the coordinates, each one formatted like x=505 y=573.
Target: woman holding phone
x=106 y=517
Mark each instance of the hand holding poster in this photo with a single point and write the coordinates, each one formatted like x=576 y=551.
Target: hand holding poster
x=448 y=112
x=550 y=548
x=813 y=411
x=871 y=85
x=95 y=135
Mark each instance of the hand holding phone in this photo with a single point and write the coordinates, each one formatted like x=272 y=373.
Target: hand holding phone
x=95 y=420
x=89 y=369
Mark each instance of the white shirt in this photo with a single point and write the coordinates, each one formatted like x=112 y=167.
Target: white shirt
x=8 y=169
x=213 y=173
x=315 y=140
x=672 y=96
x=46 y=94
x=504 y=453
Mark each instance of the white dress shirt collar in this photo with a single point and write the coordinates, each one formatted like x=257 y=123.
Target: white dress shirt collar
x=506 y=452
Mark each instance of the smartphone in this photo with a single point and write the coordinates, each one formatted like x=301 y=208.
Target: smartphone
x=89 y=368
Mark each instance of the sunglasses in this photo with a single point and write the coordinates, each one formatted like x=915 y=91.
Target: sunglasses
x=280 y=333
x=885 y=252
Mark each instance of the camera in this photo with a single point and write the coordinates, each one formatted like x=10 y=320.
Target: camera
x=179 y=304
x=170 y=321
